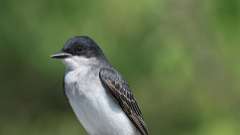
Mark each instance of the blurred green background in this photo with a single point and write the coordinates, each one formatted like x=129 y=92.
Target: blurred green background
x=181 y=58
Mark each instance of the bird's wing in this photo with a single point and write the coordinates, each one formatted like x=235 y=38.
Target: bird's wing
x=119 y=89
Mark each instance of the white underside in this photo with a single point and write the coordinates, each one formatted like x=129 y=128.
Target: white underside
x=97 y=111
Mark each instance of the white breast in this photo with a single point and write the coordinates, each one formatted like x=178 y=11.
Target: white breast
x=98 y=112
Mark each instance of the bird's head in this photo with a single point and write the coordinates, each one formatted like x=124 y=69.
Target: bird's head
x=78 y=51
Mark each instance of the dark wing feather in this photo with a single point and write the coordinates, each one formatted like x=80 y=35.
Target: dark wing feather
x=119 y=88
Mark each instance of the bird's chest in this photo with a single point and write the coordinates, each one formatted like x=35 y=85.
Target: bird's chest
x=94 y=107
x=82 y=83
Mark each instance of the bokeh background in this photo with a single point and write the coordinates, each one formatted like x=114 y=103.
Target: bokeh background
x=181 y=58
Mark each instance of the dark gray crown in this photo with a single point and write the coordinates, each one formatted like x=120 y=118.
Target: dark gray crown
x=82 y=46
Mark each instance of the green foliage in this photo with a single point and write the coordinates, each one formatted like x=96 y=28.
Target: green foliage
x=180 y=57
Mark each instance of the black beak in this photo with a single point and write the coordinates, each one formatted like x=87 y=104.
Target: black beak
x=61 y=55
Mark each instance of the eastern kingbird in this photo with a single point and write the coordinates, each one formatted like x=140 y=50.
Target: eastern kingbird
x=98 y=94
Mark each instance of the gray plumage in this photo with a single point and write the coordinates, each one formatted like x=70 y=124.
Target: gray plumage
x=119 y=88
x=98 y=94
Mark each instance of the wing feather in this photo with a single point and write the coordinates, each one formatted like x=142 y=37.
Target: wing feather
x=119 y=89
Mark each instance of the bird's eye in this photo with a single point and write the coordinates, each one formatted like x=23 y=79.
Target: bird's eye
x=79 y=49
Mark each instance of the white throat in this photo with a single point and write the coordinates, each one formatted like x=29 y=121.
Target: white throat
x=77 y=62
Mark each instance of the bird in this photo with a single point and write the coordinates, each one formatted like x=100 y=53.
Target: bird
x=98 y=94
